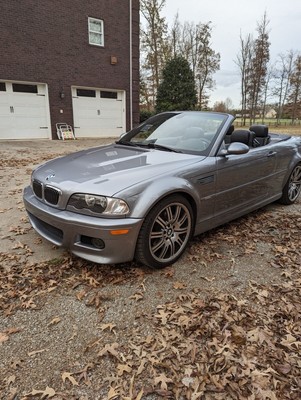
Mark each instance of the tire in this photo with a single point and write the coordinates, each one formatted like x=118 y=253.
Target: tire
x=165 y=232
x=292 y=188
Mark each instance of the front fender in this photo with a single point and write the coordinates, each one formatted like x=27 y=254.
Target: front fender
x=140 y=203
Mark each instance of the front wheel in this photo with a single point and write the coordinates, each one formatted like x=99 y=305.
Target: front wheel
x=165 y=232
x=292 y=188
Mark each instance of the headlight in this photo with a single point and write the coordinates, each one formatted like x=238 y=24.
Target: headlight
x=90 y=203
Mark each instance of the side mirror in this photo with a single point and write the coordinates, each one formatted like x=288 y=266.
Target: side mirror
x=235 y=148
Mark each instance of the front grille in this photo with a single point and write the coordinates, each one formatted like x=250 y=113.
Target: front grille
x=51 y=195
x=37 y=189
x=47 y=192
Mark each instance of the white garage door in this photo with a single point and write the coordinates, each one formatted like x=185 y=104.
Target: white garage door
x=24 y=111
x=98 y=113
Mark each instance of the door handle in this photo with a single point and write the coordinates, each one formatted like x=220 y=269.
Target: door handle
x=272 y=153
x=12 y=110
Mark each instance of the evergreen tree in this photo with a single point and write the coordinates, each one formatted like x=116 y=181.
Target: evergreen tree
x=177 y=89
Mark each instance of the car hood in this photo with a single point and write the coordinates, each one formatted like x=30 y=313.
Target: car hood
x=110 y=169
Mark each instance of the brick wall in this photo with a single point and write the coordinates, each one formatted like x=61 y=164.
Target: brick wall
x=47 y=41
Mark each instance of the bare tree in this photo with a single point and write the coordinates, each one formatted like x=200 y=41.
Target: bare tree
x=154 y=43
x=295 y=82
x=208 y=63
x=228 y=104
x=282 y=76
x=175 y=36
x=146 y=97
x=259 y=63
x=220 y=106
x=189 y=40
x=193 y=42
x=265 y=91
x=223 y=106
x=243 y=62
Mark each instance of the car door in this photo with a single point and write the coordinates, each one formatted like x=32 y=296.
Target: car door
x=243 y=181
x=201 y=179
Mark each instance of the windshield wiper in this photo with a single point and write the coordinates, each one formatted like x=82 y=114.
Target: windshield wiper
x=161 y=147
x=126 y=143
x=149 y=145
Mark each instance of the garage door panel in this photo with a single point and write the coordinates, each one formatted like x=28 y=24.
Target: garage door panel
x=5 y=118
x=86 y=113
x=30 y=112
x=23 y=121
x=111 y=105
x=24 y=115
x=110 y=112
x=109 y=123
x=5 y=124
x=96 y=116
x=28 y=133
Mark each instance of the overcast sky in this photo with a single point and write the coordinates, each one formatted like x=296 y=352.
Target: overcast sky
x=229 y=18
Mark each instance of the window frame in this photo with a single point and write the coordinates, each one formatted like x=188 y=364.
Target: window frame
x=88 y=93
x=101 y=33
x=109 y=94
x=25 y=88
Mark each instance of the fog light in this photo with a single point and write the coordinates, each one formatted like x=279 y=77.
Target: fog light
x=98 y=243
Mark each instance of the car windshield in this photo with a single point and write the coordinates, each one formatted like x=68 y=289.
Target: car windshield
x=187 y=132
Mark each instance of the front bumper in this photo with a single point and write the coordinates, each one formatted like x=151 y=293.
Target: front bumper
x=78 y=232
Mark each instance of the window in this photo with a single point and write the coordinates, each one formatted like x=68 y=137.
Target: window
x=85 y=93
x=21 y=88
x=96 y=32
x=108 y=95
x=2 y=87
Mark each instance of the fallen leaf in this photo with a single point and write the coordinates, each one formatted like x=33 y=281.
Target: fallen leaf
x=163 y=380
x=104 y=327
x=11 y=379
x=68 y=375
x=162 y=315
x=3 y=337
x=33 y=353
x=141 y=366
x=109 y=349
x=169 y=272
x=55 y=321
x=137 y=296
x=112 y=394
x=207 y=279
x=47 y=393
x=179 y=285
x=123 y=368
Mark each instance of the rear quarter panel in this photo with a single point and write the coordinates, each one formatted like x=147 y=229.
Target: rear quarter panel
x=288 y=155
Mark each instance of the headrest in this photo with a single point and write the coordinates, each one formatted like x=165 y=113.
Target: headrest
x=241 y=135
x=260 y=130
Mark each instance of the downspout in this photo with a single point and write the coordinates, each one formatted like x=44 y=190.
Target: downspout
x=131 y=66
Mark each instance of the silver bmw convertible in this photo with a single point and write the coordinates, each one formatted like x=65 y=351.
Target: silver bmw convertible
x=176 y=175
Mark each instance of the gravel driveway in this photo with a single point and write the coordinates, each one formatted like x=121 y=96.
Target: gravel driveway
x=71 y=329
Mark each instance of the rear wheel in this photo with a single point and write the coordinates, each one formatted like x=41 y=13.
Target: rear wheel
x=165 y=232
x=292 y=188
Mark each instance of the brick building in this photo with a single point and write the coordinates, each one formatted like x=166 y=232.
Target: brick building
x=71 y=61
